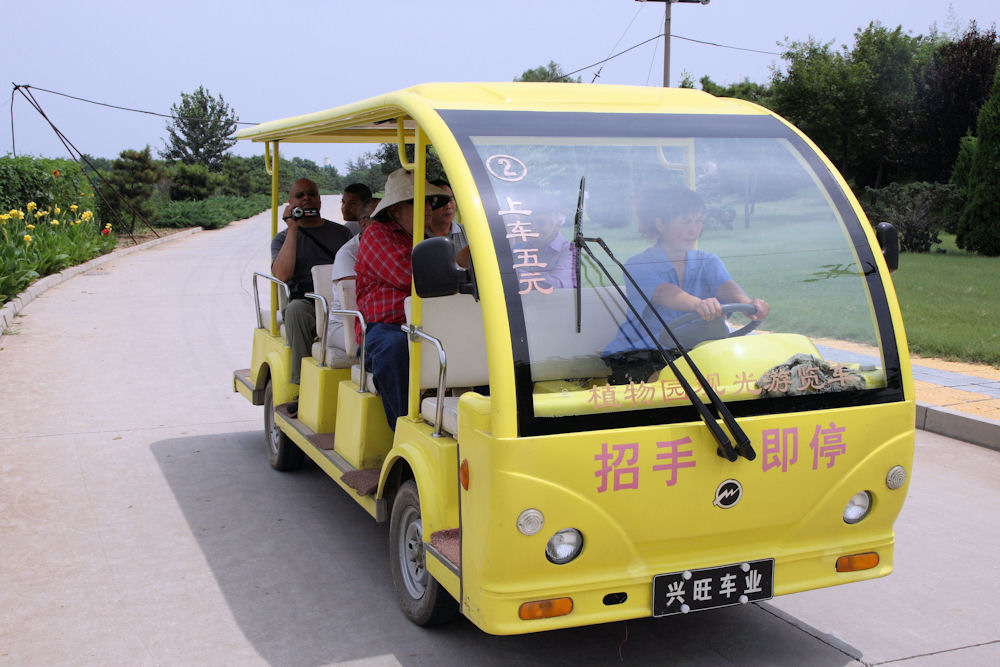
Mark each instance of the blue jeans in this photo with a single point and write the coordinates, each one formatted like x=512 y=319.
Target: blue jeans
x=387 y=358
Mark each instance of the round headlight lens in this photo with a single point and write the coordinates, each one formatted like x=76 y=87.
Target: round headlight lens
x=858 y=507
x=530 y=521
x=564 y=546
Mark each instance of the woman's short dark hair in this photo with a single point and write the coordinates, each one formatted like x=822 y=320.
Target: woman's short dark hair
x=665 y=203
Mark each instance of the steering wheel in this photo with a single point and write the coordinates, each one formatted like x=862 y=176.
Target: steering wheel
x=727 y=308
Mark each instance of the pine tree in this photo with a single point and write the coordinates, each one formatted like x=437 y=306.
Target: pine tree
x=201 y=130
x=979 y=226
x=133 y=175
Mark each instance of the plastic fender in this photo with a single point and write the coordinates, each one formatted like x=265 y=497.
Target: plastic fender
x=432 y=503
x=283 y=390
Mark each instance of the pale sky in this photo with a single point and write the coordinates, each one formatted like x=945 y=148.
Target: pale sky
x=270 y=62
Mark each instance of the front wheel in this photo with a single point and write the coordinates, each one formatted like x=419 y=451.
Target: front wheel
x=422 y=598
x=282 y=453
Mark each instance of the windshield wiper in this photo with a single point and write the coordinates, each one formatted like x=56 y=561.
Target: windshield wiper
x=577 y=234
x=726 y=449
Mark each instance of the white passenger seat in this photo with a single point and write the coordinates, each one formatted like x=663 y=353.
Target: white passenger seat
x=336 y=354
x=457 y=322
x=348 y=301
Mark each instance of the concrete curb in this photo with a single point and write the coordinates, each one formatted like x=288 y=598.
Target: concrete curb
x=39 y=287
x=981 y=431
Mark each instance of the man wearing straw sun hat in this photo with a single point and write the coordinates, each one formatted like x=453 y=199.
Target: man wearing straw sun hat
x=383 y=282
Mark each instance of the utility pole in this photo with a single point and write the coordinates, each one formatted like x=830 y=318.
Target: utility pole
x=666 y=34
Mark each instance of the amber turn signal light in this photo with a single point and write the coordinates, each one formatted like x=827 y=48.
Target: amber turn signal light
x=531 y=611
x=857 y=562
x=463 y=474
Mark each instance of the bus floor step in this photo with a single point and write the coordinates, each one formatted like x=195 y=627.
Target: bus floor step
x=323 y=441
x=365 y=482
x=448 y=544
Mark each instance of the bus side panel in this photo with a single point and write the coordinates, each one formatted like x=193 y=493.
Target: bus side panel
x=363 y=436
x=318 y=395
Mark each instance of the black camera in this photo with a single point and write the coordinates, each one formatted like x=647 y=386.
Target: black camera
x=299 y=212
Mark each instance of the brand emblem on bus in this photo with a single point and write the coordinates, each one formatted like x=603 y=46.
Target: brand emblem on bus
x=728 y=494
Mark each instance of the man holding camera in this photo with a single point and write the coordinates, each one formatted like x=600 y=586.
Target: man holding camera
x=308 y=241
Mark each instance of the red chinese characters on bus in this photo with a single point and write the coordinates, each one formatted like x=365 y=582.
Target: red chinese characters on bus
x=780 y=446
x=619 y=464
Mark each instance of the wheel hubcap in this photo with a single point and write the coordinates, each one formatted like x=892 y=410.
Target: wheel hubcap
x=411 y=555
x=273 y=432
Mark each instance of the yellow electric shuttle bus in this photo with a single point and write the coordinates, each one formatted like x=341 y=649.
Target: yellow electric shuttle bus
x=570 y=455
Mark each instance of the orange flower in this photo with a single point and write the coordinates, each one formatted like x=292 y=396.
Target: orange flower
x=55 y=172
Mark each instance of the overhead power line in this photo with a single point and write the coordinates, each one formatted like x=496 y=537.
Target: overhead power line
x=115 y=106
x=687 y=39
x=725 y=46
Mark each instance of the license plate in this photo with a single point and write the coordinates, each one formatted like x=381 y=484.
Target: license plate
x=713 y=587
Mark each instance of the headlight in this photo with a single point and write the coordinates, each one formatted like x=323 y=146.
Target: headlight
x=564 y=546
x=858 y=507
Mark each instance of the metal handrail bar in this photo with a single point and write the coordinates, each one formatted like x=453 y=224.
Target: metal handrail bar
x=256 y=294
x=414 y=333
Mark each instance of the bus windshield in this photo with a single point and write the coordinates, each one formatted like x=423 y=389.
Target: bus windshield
x=694 y=207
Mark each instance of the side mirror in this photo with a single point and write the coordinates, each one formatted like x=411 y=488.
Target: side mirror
x=888 y=240
x=435 y=272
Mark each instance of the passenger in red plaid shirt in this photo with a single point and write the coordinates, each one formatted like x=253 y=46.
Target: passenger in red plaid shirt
x=383 y=282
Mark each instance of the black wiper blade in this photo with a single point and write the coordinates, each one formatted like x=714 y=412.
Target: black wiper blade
x=742 y=440
x=577 y=243
x=725 y=445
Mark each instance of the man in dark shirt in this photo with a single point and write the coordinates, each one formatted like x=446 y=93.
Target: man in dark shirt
x=309 y=240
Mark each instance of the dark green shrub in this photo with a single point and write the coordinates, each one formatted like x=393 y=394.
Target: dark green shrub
x=212 y=213
x=46 y=182
x=918 y=211
x=192 y=182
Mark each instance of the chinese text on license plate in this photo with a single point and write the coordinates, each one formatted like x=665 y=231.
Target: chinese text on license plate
x=697 y=590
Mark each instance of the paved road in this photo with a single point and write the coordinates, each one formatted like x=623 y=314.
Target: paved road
x=141 y=525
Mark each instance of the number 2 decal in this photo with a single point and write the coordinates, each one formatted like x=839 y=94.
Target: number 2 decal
x=506 y=168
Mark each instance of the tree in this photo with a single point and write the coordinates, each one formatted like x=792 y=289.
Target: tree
x=201 y=130
x=744 y=90
x=543 y=73
x=133 y=175
x=979 y=226
x=819 y=95
x=855 y=103
x=953 y=85
x=963 y=165
x=885 y=65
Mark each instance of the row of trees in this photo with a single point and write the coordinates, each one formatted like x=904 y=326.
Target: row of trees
x=890 y=109
x=903 y=111
x=893 y=107
x=905 y=119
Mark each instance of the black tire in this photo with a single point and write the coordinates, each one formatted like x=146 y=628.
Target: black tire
x=421 y=597
x=282 y=453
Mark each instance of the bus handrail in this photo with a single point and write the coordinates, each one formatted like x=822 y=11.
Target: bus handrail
x=322 y=324
x=321 y=329
x=256 y=294
x=415 y=332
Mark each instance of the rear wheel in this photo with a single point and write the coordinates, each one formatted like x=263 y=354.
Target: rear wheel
x=422 y=598
x=282 y=453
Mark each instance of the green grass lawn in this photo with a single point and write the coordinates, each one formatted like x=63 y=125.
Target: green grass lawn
x=951 y=304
